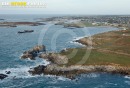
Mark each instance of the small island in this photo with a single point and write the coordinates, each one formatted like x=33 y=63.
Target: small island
x=15 y=24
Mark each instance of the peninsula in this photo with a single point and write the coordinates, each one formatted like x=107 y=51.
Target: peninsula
x=110 y=53
x=105 y=52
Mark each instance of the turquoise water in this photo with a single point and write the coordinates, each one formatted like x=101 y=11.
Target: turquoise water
x=55 y=38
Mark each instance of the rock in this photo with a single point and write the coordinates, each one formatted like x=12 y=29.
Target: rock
x=54 y=69
x=59 y=59
x=86 y=41
x=72 y=71
x=40 y=48
x=33 y=52
x=43 y=55
x=64 y=50
x=7 y=72
x=28 y=55
x=37 y=70
x=3 y=76
x=55 y=58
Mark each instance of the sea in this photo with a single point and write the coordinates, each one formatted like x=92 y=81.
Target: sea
x=55 y=38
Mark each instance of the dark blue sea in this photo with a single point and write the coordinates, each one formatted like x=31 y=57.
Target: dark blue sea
x=55 y=38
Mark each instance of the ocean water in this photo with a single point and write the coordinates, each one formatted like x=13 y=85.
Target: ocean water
x=55 y=38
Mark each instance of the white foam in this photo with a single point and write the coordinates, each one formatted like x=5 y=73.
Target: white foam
x=127 y=77
x=76 y=43
x=22 y=71
x=40 y=61
x=46 y=62
x=93 y=75
x=78 y=38
x=18 y=72
x=61 y=78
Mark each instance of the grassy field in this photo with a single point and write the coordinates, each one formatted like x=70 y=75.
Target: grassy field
x=108 y=48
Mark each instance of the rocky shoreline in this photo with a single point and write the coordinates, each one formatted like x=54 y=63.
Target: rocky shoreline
x=32 y=53
x=72 y=71
x=58 y=65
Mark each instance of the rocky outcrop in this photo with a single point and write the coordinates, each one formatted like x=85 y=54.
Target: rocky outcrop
x=63 y=51
x=55 y=58
x=72 y=71
x=32 y=53
x=57 y=66
x=3 y=76
x=8 y=72
x=37 y=70
x=86 y=41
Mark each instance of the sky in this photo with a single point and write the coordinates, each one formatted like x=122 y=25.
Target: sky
x=85 y=7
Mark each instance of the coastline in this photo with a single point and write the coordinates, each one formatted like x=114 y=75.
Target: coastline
x=72 y=71
x=14 y=70
x=59 y=68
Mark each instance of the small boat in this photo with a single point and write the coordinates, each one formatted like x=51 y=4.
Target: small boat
x=21 y=32
x=26 y=31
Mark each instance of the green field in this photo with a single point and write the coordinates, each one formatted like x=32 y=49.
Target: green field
x=108 y=48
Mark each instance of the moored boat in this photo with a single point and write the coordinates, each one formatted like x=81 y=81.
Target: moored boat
x=26 y=31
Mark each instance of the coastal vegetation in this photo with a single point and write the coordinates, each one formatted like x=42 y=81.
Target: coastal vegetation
x=107 y=48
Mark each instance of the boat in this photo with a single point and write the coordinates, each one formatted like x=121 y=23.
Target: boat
x=26 y=31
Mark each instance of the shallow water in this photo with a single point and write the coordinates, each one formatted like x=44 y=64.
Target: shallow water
x=55 y=38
